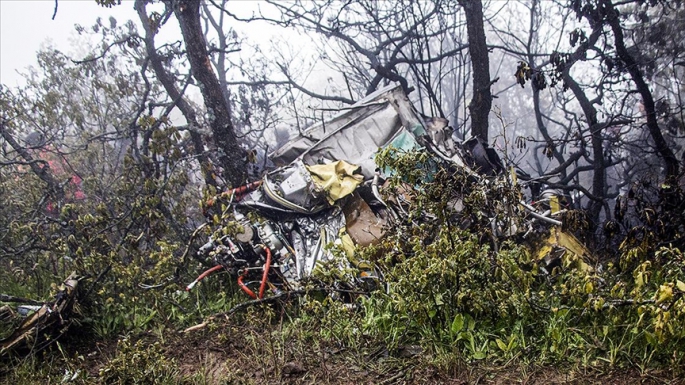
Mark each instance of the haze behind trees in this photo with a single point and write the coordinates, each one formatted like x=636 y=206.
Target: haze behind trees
x=179 y=104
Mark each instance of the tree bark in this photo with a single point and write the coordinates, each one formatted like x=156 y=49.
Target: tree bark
x=598 y=167
x=481 y=102
x=596 y=128
x=231 y=155
x=177 y=98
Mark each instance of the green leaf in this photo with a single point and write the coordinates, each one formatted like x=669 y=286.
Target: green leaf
x=471 y=323
x=457 y=324
x=438 y=299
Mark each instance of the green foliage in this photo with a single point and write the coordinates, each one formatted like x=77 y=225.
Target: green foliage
x=125 y=224
x=450 y=292
x=30 y=371
x=139 y=363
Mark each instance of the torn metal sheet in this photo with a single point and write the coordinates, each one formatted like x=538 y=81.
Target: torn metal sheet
x=383 y=118
x=318 y=234
x=440 y=134
x=293 y=188
x=562 y=248
x=305 y=189
x=338 y=179
x=309 y=204
x=364 y=227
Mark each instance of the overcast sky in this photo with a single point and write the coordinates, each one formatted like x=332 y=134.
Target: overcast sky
x=27 y=24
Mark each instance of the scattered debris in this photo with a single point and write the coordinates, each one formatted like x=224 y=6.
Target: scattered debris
x=321 y=203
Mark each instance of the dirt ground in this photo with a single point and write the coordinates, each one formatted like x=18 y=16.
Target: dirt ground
x=223 y=353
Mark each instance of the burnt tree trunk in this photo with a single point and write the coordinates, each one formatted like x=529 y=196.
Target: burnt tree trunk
x=481 y=102
x=231 y=155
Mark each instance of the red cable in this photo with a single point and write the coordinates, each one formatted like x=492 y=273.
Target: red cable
x=203 y=275
x=242 y=190
x=245 y=288
x=238 y=192
x=265 y=277
x=266 y=272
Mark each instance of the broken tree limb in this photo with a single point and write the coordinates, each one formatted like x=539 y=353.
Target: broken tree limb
x=99 y=277
x=50 y=314
x=6 y=312
x=275 y=298
x=196 y=327
x=13 y=299
x=192 y=238
x=286 y=295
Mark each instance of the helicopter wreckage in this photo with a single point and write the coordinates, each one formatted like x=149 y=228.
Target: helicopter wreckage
x=327 y=194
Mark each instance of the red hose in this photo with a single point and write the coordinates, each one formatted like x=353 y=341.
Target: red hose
x=245 y=288
x=203 y=275
x=265 y=276
x=242 y=190
x=238 y=193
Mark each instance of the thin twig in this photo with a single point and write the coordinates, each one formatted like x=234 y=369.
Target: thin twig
x=286 y=295
x=55 y=13
x=190 y=241
x=99 y=277
x=10 y=298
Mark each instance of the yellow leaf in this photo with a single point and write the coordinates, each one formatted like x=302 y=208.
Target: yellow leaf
x=665 y=293
x=681 y=285
x=639 y=279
